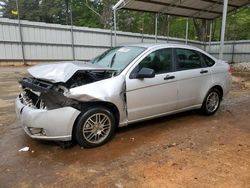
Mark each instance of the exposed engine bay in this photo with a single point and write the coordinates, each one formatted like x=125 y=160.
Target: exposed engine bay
x=44 y=94
x=86 y=77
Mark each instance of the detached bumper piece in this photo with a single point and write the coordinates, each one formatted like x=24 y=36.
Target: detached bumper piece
x=43 y=124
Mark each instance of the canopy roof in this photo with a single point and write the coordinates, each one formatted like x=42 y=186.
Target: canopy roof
x=204 y=9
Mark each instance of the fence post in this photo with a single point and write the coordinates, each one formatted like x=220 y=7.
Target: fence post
x=142 y=37
x=72 y=43
x=233 y=52
x=111 y=37
x=168 y=30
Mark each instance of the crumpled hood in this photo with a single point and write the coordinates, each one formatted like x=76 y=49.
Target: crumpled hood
x=61 y=72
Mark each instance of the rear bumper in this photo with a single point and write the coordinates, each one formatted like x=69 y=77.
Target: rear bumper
x=55 y=124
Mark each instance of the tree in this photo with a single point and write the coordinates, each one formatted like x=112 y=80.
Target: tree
x=28 y=9
x=55 y=11
x=201 y=29
x=84 y=16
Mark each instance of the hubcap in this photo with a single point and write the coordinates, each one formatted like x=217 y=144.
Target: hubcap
x=212 y=102
x=96 y=128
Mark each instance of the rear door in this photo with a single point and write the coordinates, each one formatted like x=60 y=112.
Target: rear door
x=194 y=77
x=150 y=97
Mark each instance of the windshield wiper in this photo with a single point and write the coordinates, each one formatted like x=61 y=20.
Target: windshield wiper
x=112 y=61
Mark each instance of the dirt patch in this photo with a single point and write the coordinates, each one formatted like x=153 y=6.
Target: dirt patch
x=183 y=150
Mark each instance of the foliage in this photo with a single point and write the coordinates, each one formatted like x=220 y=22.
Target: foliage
x=238 y=25
x=28 y=9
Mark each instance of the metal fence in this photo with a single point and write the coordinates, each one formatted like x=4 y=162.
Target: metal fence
x=234 y=51
x=37 y=42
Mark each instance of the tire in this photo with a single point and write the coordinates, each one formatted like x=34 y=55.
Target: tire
x=95 y=127
x=211 y=102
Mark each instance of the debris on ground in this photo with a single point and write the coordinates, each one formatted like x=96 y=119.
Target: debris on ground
x=169 y=145
x=24 y=149
x=241 y=67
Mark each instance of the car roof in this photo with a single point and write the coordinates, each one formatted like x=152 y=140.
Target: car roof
x=166 y=45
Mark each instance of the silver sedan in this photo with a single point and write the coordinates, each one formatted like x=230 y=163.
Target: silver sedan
x=85 y=102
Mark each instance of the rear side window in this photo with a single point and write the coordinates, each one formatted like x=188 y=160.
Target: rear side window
x=187 y=59
x=208 y=61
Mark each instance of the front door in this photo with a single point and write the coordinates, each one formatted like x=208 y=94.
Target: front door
x=150 y=97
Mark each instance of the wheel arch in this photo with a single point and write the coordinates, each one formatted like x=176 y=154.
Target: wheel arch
x=204 y=108
x=219 y=88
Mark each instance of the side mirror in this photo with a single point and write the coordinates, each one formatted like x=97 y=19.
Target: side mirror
x=145 y=73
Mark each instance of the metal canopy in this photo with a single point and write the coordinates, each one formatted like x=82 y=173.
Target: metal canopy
x=204 y=9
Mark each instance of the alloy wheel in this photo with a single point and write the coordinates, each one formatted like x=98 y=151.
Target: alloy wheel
x=96 y=128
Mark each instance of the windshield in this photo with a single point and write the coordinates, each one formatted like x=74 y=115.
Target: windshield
x=118 y=58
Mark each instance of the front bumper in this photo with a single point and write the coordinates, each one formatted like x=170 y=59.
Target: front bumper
x=56 y=124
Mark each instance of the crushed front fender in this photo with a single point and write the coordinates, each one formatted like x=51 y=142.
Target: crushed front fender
x=110 y=90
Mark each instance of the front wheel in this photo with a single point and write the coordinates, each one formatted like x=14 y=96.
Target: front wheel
x=211 y=102
x=95 y=127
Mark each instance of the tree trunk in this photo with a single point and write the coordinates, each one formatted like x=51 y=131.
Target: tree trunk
x=107 y=14
x=67 y=11
x=201 y=29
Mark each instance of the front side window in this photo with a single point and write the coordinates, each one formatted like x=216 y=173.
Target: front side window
x=187 y=59
x=118 y=58
x=160 y=61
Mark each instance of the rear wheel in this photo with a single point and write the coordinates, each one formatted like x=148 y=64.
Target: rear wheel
x=211 y=102
x=95 y=127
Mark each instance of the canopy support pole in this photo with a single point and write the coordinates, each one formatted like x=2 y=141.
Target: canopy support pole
x=114 y=26
x=186 y=31
x=210 y=36
x=156 y=26
x=115 y=8
x=223 y=27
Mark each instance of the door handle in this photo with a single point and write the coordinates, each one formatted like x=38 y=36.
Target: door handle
x=168 y=77
x=204 y=71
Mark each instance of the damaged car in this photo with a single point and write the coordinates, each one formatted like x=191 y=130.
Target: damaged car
x=86 y=102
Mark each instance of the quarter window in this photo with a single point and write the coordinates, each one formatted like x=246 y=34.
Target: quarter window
x=209 y=62
x=187 y=59
x=160 y=61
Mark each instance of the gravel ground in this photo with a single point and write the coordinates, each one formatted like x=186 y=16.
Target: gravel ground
x=183 y=150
